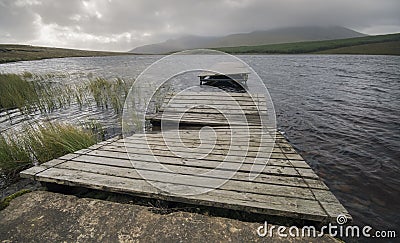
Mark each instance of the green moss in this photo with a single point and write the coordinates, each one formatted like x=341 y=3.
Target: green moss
x=6 y=201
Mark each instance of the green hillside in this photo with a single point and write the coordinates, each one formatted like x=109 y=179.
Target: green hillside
x=382 y=48
x=14 y=53
x=379 y=44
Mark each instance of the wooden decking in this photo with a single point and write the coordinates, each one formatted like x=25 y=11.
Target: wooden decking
x=212 y=108
x=149 y=165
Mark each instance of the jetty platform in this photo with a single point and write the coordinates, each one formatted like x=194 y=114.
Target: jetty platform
x=214 y=147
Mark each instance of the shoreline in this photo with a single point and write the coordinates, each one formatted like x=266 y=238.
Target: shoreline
x=15 y=53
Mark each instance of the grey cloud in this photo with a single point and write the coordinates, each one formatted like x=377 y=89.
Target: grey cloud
x=122 y=24
x=16 y=23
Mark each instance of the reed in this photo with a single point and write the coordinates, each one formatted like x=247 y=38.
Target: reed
x=29 y=92
x=16 y=92
x=39 y=143
x=108 y=94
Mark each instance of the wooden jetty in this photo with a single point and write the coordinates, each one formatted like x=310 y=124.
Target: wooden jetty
x=227 y=72
x=286 y=185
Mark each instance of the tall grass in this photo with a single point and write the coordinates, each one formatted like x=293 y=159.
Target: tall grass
x=16 y=92
x=29 y=92
x=39 y=143
x=106 y=93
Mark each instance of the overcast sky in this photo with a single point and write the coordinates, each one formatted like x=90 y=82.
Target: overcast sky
x=121 y=25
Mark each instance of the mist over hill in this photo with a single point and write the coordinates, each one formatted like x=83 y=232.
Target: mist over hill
x=274 y=36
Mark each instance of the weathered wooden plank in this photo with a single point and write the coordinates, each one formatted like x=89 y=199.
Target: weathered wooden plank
x=228 y=129
x=243 y=144
x=207 y=135
x=220 y=114
x=182 y=168
x=213 y=109
x=198 y=121
x=234 y=157
x=261 y=161
x=276 y=159
x=210 y=135
x=216 y=154
x=263 y=149
x=188 y=144
x=335 y=209
x=219 y=145
x=262 y=105
x=197 y=110
x=193 y=179
x=215 y=98
x=232 y=102
x=248 y=163
x=216 y=95
x=232 y=119
x=210 y=164
x=31 y=172
x=53 y=163
x=252 y=128
x=330 y=204
x=249 y=141
x=293 y=156
x=147 y=155
x=282 y=206
x=223 y=108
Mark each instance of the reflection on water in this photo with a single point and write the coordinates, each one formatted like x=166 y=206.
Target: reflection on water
x=341 y=112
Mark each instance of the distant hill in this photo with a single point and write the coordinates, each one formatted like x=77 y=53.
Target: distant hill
x=14 y=53
x=274 y=36
x=373 y=45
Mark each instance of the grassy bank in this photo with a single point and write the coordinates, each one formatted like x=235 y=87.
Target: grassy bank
x=383 y=44
x=40 y=143
x=14 y=53
x=383 y=48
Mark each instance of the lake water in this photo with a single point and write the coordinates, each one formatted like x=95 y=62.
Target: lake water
x=340 y=112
